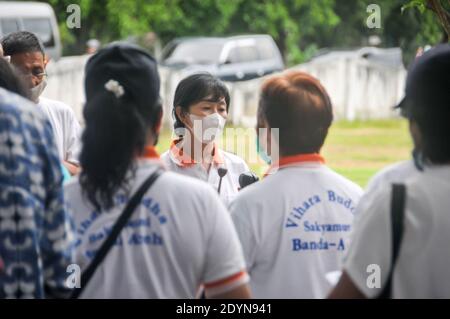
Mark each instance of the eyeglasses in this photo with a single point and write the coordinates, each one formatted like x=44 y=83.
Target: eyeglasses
x=38 y=75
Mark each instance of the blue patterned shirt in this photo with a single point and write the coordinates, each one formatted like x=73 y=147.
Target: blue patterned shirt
x=36 y=240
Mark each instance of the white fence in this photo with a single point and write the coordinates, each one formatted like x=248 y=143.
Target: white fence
x=359 y=88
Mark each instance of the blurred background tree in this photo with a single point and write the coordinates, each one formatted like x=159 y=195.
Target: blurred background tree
x=299 y=27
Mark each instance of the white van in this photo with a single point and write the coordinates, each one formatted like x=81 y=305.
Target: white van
x=36 y=17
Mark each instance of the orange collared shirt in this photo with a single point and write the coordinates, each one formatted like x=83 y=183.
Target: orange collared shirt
x=150 y=153
x=296 y=159
x=185 y=160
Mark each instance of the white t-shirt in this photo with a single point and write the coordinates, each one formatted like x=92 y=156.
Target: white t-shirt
x=66 y=128
x=180 y=237
x=395 y=173
x=230 y=182
x=422 y=265
x=294 y=228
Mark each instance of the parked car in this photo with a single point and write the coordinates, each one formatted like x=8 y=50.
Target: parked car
x=236 y=58
x=36 y=17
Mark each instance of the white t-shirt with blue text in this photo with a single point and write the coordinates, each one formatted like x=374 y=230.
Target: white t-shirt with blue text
x=294 y=228
x=180 y=237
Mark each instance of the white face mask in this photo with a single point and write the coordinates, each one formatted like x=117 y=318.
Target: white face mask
x=210 y=127
x=37 y=91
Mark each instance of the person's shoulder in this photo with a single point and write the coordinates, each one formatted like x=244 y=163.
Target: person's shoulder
x=344 y=181
x=55 y=105
x=258 y=191
x=165 y=156
x=14 y=104
x=397 y=172
x=189 y=195
x=232 y=157
x=168 y=162
x=433 y=180
x=185 y=185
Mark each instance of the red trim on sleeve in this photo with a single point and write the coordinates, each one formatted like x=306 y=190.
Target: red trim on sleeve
x=226 y=281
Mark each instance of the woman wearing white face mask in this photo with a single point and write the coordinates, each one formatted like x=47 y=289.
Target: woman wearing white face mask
x=200 y=110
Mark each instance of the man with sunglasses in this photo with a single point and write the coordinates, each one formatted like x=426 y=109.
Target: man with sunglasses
x=29 y=59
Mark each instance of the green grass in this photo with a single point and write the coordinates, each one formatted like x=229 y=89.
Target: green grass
x=356 y=150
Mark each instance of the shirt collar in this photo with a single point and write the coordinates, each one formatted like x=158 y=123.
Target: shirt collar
x=178 y=156
x=295 y=160
x=150 y=153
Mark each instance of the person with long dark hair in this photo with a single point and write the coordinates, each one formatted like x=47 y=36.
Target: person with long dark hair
x=200 y=110
x=179 y=236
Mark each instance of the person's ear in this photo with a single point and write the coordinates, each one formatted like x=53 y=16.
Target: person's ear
x=46 y=60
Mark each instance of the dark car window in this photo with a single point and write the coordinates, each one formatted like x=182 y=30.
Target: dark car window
x=9 y=26
x=42 y=27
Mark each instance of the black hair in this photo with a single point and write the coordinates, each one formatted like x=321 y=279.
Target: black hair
x=433 y=123
x=195 y=88
x=21 y=42
x=115 y=133
x=10 y=81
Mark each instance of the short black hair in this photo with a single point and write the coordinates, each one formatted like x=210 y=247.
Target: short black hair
x=434 y=128
x=21 y=42
x=427 y=102
x=194 y=89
